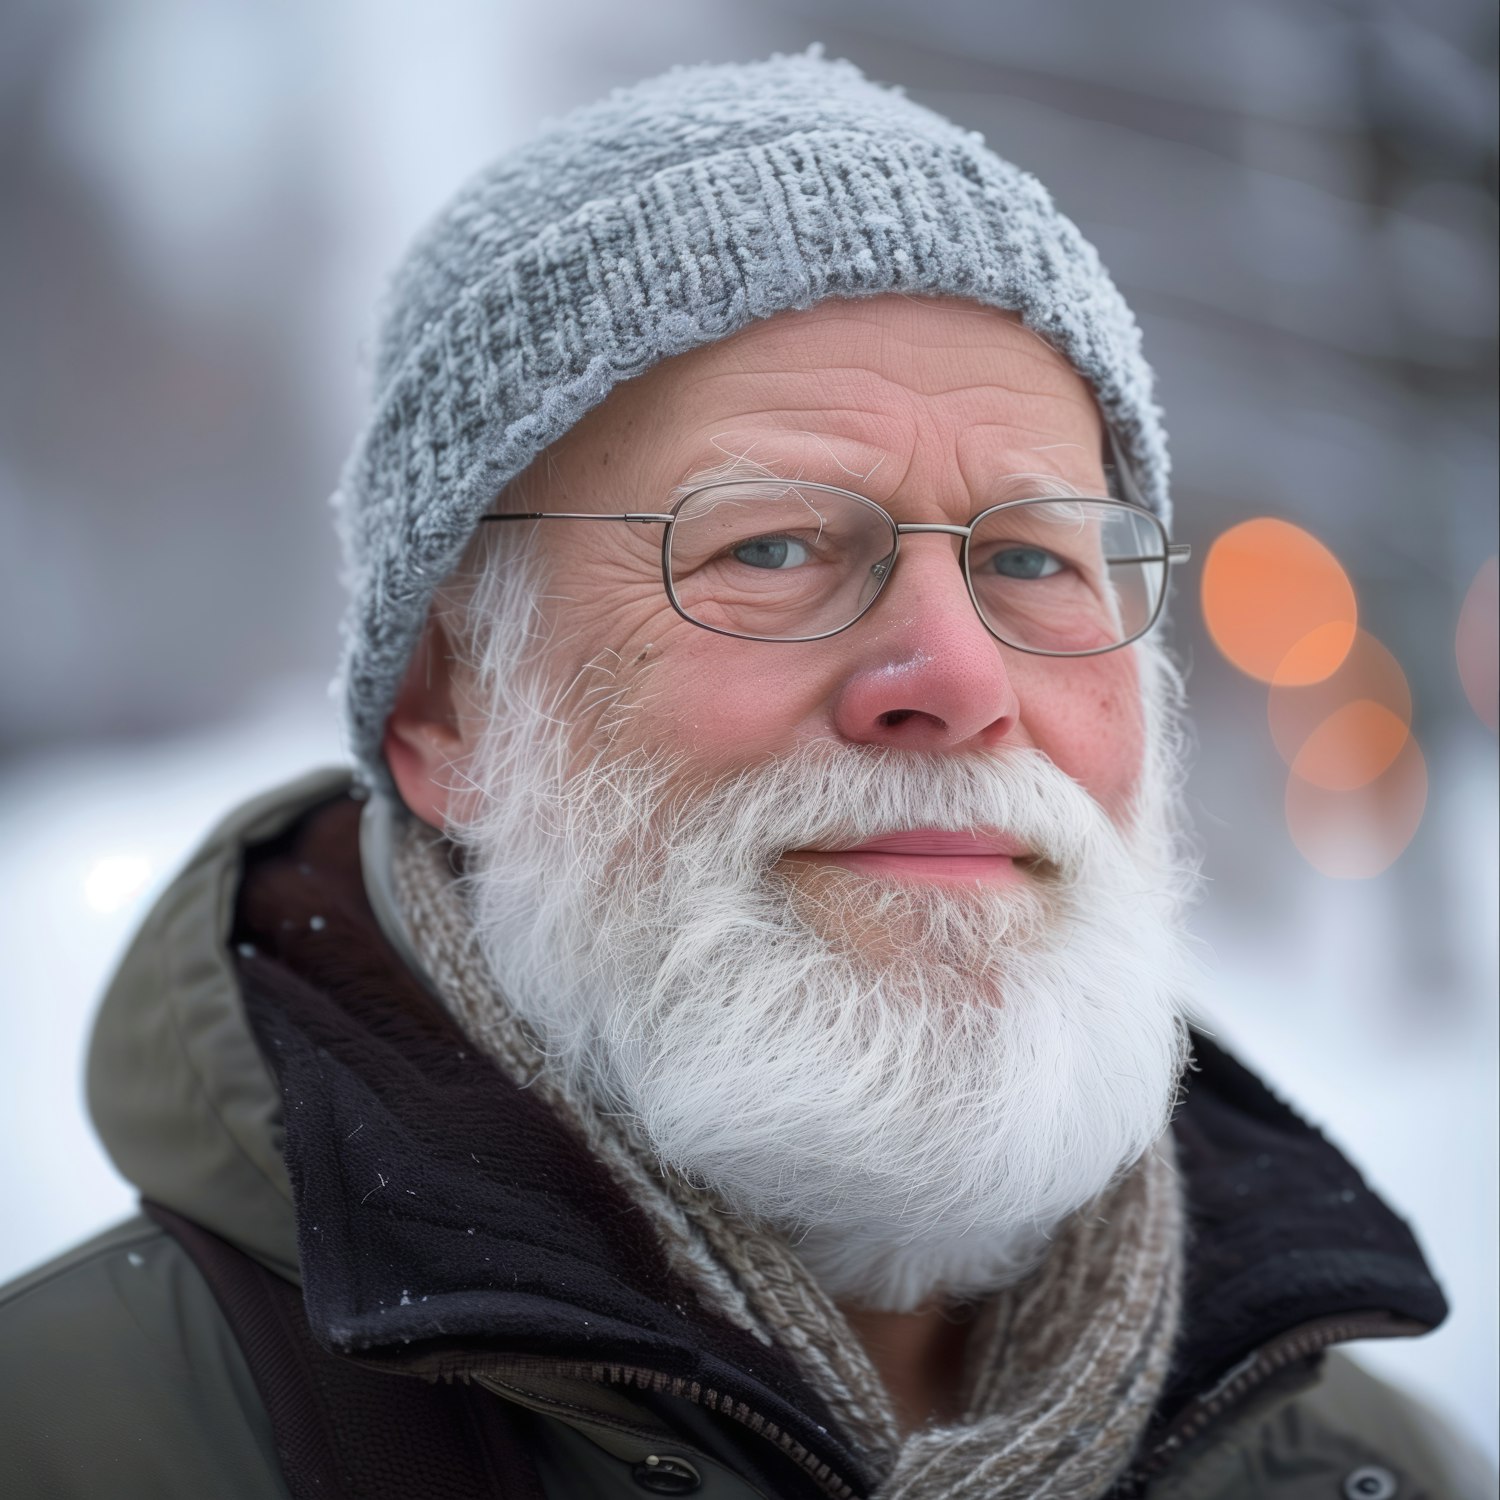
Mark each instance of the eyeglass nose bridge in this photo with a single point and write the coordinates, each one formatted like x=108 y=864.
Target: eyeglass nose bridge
x=907 y=528
x=886 y=566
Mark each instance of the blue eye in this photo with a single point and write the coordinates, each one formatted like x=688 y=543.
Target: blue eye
x=771 y=552
x=1025 y=562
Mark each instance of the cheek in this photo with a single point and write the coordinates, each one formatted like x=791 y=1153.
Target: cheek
x=1086 y=715
x=630 y=674
x=723 y=703
x=602 y=647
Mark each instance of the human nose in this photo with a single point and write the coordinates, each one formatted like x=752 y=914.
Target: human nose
x=928 y=675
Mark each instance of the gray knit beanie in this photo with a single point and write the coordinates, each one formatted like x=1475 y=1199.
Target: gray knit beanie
x=662 y=218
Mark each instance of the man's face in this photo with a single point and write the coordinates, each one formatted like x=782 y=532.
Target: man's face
x=916 y=1066
x=935 y=409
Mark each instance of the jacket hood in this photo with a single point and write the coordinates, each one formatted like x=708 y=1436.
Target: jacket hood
x=177 y=1087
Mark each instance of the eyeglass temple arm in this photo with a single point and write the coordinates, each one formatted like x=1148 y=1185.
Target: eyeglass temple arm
x=1124 y=474
x=1177 y=552
x=642 y=517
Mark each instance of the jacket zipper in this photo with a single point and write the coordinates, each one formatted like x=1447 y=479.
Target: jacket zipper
x=821 y=1473
x=690 y=1390
x=1236 y=1386
x=1256 y=1371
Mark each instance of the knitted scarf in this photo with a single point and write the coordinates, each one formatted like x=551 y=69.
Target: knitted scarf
x=1062 y=1371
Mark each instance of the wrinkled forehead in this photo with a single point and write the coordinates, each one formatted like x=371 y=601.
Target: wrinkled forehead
x=874 y=389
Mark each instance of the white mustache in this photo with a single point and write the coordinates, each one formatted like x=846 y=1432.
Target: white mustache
x=822 y=798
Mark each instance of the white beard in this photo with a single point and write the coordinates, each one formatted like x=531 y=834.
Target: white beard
x=918 y=1108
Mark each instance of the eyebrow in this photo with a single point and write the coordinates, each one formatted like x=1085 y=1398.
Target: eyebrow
x=818 y=463
x=1018 y=485
x=743 y=467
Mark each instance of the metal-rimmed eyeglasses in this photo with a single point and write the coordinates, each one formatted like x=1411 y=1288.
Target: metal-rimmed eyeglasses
x=767 y=559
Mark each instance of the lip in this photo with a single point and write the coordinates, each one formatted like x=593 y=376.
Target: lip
x=932 y=854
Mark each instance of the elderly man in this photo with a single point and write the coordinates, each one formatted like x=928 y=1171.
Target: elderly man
x=725 y=1041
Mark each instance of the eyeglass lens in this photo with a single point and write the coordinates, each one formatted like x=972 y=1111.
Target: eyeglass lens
x=778 y=561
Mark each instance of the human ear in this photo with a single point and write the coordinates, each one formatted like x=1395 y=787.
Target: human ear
x=423 y=735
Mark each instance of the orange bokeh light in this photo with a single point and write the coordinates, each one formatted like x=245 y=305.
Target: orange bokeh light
x=1342 y=732
x=1358 y=833
x=1477 y=643
x=1351 y=747
x=1278 y=603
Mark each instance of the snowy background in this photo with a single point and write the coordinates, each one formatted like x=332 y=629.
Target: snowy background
x=202 y=198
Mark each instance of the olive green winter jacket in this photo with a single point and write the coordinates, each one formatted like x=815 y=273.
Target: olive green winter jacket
x=124 y=1375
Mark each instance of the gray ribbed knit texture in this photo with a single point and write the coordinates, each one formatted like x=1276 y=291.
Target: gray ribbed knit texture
x=665 y=217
